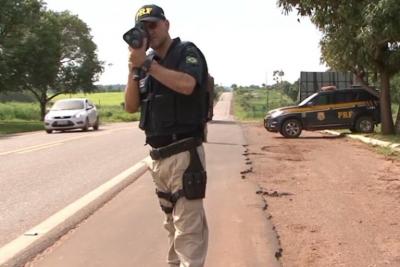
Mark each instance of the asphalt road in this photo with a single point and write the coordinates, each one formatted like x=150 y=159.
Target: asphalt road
x=41 y=173
x=127 y=231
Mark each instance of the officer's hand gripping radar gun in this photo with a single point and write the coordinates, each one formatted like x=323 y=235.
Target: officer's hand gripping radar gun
x=135 y=38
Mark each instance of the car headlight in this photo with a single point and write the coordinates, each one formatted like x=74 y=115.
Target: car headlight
x=79 y=115
x=276 y=114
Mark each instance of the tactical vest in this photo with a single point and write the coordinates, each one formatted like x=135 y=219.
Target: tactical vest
x=166 y=112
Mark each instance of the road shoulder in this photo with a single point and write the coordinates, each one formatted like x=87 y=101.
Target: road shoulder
x=333 y=200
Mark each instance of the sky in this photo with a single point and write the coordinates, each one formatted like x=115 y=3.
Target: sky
x=243 y=41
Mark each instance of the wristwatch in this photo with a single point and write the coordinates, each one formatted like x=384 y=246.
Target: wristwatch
x=147 y=64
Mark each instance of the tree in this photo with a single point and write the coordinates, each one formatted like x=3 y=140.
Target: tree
x=395 y=92
x=278 y=75
x=362 y=36
x=294 y=90
x=57 y=56
x=395 y=89
x=16 y=17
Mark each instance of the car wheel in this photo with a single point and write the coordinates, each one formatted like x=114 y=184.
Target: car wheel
x=96 y=124
x=49 y=131
x=291 y=128
x=86 y=126
x=365 y=124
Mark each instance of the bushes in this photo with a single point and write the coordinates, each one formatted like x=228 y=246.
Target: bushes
x=19 y=111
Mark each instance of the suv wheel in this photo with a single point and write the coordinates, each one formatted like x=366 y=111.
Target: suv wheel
x=291 y=128
x=365 y=124
x=49 y=131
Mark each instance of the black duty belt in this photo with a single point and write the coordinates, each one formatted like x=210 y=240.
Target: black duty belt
x=164 y=140
x=175 y=148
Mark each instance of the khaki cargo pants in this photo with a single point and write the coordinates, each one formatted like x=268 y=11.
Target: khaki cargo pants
x=186 y=225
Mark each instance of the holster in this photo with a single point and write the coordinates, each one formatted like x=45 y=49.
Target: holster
x=194 y=178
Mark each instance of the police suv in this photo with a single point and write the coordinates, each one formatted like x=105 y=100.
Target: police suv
x=354 y=109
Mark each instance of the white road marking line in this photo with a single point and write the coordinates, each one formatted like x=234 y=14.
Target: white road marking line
x=42 y=146
x=39 y=237
x=39 y=148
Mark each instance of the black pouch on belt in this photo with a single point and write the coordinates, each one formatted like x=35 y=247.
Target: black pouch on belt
x=194 y=178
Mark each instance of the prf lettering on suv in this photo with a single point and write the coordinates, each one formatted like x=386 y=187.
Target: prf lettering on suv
x=353 y=109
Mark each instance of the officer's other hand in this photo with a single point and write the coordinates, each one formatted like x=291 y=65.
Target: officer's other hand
x=137 y=56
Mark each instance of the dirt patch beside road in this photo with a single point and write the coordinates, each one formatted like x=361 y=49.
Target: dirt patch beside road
x=333 y=201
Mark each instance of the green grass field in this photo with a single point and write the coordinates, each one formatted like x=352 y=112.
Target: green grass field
x=109 y=105
x=22 y=117
x=99 y=99
x=253 y=104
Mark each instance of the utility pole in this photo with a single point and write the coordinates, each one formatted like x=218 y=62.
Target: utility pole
x=266 y=88
x=281 y=74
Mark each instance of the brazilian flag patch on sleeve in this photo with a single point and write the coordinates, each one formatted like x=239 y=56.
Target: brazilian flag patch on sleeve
x=191 y=60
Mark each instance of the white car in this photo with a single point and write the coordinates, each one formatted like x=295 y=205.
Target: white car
x=74 y=113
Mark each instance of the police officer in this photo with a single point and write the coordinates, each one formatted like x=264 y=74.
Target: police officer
x=170 y=95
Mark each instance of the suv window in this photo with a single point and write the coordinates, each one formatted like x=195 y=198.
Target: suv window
x=345 y=97
x=365 y=96
x=323 y=99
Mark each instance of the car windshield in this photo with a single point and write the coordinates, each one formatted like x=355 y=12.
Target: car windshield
x=302 y=103
x=68 y=105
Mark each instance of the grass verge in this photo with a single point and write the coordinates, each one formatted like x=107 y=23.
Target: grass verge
x=15 y=126
x=388 y=152
x=388 y=138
